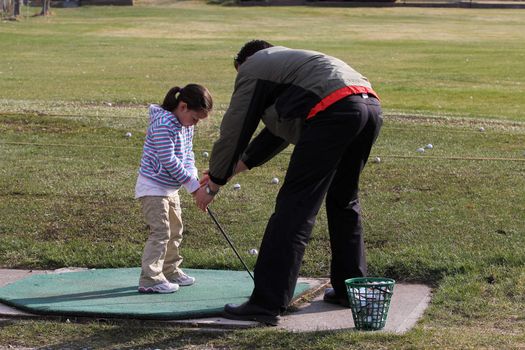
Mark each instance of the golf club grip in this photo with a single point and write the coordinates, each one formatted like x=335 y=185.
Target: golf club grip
x=230 y=242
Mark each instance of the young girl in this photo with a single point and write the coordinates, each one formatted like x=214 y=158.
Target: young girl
x=167 y=164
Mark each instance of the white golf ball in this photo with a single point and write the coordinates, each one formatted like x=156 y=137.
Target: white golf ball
x=481 y=129
x=128 y=134
x=429 y=146
x=205 y=154
x=420 y=150
x=275 y=181
x=377 y=160
x=237 y=186
x=253 y=251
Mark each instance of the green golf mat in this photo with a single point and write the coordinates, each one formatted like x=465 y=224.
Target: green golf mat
x=113 y=293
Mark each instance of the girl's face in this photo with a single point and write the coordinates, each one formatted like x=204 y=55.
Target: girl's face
x=188 y=117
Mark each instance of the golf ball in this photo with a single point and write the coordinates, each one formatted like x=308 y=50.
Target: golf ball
x=253 y=251
x=377 y=160
x=205 y=154
x=420 y=150
x=237 y=186
x=128 y=134
x=481 y=129
x=275 y=181
x=429 y=146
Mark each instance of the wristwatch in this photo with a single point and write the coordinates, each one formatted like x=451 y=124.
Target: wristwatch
x=210 y=191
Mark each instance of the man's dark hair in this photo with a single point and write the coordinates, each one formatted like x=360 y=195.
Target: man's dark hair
x=250 y=48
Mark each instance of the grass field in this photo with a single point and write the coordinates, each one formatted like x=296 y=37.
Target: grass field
x=73 y=84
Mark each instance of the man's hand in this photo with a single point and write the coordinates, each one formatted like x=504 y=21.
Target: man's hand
x=205 y=178
x=202 y=197
x=240 y=167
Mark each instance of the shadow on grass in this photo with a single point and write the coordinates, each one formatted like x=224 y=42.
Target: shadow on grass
x=111 y=336
x=124 y=336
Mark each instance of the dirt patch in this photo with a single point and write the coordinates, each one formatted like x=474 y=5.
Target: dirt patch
x=33 y=125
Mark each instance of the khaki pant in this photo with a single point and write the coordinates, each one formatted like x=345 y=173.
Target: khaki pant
x=161 y=258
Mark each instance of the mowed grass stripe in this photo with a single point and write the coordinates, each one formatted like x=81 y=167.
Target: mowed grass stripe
x=449 y=217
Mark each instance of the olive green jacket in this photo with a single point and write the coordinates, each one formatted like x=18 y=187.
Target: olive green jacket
x=280 y=87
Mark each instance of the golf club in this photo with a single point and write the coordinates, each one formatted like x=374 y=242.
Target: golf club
x=229 y=242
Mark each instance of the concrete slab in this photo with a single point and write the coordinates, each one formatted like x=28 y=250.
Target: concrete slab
x=9 y=276
x=12 y=312
x=408 y=303
x=310 y=312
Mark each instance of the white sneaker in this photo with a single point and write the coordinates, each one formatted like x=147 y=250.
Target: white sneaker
x=164 y=288
x=183 y=280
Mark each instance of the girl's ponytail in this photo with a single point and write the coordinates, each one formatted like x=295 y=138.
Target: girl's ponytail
x=171 y=101
x=197 y=97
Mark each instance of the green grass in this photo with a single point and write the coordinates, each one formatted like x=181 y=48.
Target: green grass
x=452 y=217
x=437 y=61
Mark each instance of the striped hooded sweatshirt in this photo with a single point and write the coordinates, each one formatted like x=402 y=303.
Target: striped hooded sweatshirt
x=167 y=157
x=281 y=87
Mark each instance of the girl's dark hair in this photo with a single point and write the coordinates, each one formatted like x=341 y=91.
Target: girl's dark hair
x=250 y=48
x=196 y=96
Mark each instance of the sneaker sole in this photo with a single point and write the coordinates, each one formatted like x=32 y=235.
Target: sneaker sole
x=152 y=291
x=183 y=284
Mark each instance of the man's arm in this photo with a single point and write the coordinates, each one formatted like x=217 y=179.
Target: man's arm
x=250 y=99
x=263 y=148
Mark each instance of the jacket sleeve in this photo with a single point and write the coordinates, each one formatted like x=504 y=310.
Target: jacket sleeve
x=263 y=148
x=189 y=163
x=248 y=102
x=169 y=144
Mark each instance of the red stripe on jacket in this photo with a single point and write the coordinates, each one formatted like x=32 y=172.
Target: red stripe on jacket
x=337 y=95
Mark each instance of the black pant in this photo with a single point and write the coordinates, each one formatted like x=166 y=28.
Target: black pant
x=328 y=159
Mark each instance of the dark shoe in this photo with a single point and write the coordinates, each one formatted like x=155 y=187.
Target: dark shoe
x=250 y=312
x=332 y=298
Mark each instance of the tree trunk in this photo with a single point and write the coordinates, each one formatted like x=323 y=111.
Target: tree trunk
x=6 y=7
x=16 y=10
x=46 y=5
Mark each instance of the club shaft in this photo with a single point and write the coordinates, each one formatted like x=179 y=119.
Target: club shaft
x=229 y=242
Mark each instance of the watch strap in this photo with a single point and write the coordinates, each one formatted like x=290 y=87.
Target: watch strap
x=210 y=191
